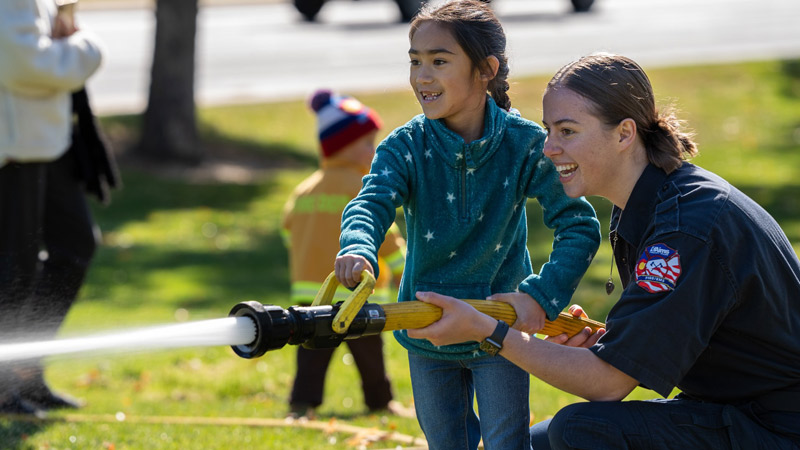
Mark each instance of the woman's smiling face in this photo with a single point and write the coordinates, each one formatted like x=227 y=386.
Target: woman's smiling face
x=579 y=144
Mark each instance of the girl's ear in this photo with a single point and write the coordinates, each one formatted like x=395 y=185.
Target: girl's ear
x=627 y=132
x=491 y=68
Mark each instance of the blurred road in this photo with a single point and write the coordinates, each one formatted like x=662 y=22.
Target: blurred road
x=263 y=51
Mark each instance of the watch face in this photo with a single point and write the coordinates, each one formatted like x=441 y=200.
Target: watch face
x=489 y=347
x=494 y=343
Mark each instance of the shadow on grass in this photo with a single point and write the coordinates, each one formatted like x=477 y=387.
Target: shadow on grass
x=126 y=275
x=14 y=433
x=275 y=153
x=791 y=83
x=143 y=193
x=130 y=278
x=123 y=132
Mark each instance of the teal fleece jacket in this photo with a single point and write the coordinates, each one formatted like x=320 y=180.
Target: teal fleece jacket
x=464 y=208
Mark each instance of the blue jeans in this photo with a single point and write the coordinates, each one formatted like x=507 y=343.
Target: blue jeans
x=665 y=424
x=443 y=398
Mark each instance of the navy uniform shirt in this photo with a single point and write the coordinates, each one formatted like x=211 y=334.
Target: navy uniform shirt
x=712 y=293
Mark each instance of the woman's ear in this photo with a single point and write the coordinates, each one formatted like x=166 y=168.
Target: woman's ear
x=491 y=68
x=627 y=132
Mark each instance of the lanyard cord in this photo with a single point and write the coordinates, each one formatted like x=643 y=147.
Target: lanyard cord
x=610 y=282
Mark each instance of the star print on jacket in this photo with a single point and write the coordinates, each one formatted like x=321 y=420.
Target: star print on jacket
x=470 y=200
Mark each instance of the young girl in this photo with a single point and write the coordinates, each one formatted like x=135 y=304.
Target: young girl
x=463 y=172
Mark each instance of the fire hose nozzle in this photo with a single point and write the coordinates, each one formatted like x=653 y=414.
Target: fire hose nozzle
x=310 y=326
x=273 y=328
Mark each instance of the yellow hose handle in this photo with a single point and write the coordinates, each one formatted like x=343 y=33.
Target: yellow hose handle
x=417 y=314
x=352 y=304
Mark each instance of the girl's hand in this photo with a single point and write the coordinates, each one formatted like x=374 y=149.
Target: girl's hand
x=530 y=315
x=348 y=269
x=583 y=339
x=460 y=322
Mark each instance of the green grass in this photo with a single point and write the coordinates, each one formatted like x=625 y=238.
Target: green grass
x=174 y=248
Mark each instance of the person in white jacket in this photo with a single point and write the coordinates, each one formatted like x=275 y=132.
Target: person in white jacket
x=47 y=236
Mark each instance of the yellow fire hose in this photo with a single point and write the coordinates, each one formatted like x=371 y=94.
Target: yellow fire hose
x=417 y=314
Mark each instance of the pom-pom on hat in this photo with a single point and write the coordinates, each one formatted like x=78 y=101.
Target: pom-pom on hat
x=341 y=120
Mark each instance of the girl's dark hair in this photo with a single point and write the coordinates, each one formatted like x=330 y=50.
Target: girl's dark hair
x=478 y=31
x=619 y=89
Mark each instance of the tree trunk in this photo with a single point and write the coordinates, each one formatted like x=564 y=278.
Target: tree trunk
x=169 y=131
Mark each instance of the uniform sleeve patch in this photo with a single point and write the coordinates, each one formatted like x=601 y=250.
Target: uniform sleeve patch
x=658 y=269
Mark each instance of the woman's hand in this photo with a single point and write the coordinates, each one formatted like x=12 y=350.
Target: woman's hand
x=348 y=269
x=530 y=315
x=583 y=339
x=460 y=322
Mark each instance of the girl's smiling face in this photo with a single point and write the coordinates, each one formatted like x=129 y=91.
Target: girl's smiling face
x=446 y=83
x=579 y=144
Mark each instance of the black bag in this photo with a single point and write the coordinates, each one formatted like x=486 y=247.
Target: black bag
x=95 y=163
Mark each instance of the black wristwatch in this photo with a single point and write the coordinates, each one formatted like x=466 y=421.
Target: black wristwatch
x=494 y=343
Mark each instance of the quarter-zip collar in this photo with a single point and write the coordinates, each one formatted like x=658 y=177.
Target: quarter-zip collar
x=452 y=148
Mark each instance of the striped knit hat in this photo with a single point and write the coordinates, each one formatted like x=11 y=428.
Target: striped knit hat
x=341 y=120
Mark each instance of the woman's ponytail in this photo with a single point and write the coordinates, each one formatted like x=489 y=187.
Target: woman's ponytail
x=666 y=145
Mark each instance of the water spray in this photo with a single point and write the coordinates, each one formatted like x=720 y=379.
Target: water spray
x=253 y=329
x=323 y=325
x=214 y=332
